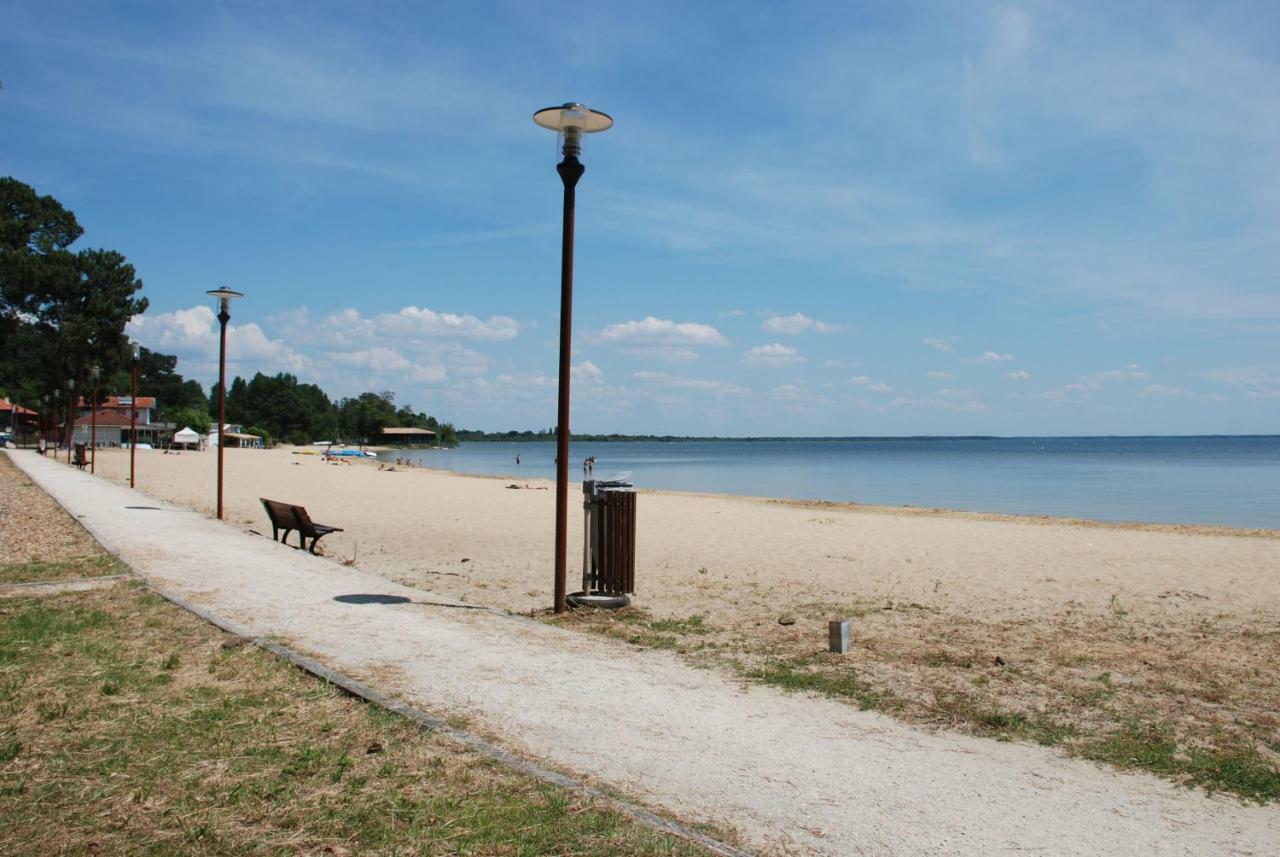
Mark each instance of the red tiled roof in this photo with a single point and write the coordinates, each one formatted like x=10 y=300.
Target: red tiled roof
x=113 y=402
x=7 y=406
x=105 y=418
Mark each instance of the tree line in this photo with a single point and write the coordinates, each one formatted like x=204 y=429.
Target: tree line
x=63 y=311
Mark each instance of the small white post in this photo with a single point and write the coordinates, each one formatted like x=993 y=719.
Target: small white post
x=840 y=635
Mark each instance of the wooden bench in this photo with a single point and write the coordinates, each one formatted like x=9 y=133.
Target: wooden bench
x=288 y=517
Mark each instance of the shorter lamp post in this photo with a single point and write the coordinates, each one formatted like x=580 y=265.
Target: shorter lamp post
x=133 y=414
x=224 y=296
x=571 y=122
x=94 y=373
x=44 y=422
x=71 y=426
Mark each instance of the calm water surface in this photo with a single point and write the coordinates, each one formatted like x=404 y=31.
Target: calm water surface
x=1234 y=481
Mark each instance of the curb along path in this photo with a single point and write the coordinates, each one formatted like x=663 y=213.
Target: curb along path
x=789 y=772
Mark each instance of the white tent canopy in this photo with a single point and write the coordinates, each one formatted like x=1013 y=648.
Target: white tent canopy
x=187 y=435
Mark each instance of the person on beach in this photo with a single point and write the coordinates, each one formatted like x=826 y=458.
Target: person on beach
x=517 y=459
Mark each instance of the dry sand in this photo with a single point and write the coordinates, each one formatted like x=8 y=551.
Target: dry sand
x=739 y=558
x=1093 y=625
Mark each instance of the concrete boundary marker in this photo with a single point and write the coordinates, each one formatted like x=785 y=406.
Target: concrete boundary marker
x=67 y=584
x=422 y=718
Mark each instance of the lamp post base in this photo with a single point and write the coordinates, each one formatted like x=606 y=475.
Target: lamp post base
x=599 y=600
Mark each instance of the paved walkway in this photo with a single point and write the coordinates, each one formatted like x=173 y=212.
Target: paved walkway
x=791 y=773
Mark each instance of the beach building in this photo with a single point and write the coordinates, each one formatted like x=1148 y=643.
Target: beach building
x=125 y=406
x=116 y=415
x=406 y=437
x=235 y=437
x=16 y=419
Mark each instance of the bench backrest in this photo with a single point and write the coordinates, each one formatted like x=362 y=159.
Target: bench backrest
x=304 y=521
x=289 y=516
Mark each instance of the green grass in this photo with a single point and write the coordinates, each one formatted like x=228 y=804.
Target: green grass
x=1150 y=746
x=113 y=742
x=640 y=629
x=798 y=675
x=98 y=565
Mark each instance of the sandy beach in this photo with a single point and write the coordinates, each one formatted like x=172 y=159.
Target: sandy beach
x=1027 y=615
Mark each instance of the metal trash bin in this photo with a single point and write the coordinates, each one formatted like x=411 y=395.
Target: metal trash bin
x=609 y=544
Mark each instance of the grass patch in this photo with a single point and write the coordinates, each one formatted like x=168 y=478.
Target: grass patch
x=799 y=675
x=1149 y=746
x=110 y=743
x=637 y=627
x=99 y=565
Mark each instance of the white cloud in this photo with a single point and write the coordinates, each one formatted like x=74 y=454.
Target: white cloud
x=938 y=375
x=773 y=354
x=670 y=340
x=192 y=335
x=1018 y=376
x=942 y=403
x=429 y=374
x=732 y=313
x=349 y=327
x=377 y=359
x=791 y=325
x=869 y=384
x=937 y=343
x=842 y=364
x=679 y=382
x=993 y=357
x=1132 y=372
x=1160 y=390
x=586 y=372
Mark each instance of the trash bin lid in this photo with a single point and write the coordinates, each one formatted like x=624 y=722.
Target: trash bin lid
x=616 y=480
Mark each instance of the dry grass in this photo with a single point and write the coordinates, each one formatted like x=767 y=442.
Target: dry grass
x=128 y=726
x=38 y=539
x=1197 y=701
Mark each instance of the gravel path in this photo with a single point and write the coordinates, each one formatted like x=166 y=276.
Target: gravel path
x=792 y=774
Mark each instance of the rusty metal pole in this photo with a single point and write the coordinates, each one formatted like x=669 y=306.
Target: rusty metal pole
x=93 y=431
x=71 y=401
x=570 y=170
x=224 y=315
x=133 y=419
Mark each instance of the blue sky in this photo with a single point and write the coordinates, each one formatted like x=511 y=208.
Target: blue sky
x=897 y=218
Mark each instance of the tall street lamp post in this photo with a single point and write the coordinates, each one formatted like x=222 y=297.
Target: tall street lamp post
x=570 y=122
x=94 y=373
x=71 y=427
x=133 y=414
x=224 y=296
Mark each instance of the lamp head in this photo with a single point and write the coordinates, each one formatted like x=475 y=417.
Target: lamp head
x=94 y=371
x=71 y=384
x=224 y=296
x=570 y=122
x=136 y=348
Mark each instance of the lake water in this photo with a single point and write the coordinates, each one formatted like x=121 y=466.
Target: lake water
x=1233 y=481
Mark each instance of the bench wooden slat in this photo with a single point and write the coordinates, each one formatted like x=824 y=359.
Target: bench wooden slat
x=289 y=517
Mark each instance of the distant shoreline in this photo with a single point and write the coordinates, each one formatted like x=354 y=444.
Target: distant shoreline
x=542 y=437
